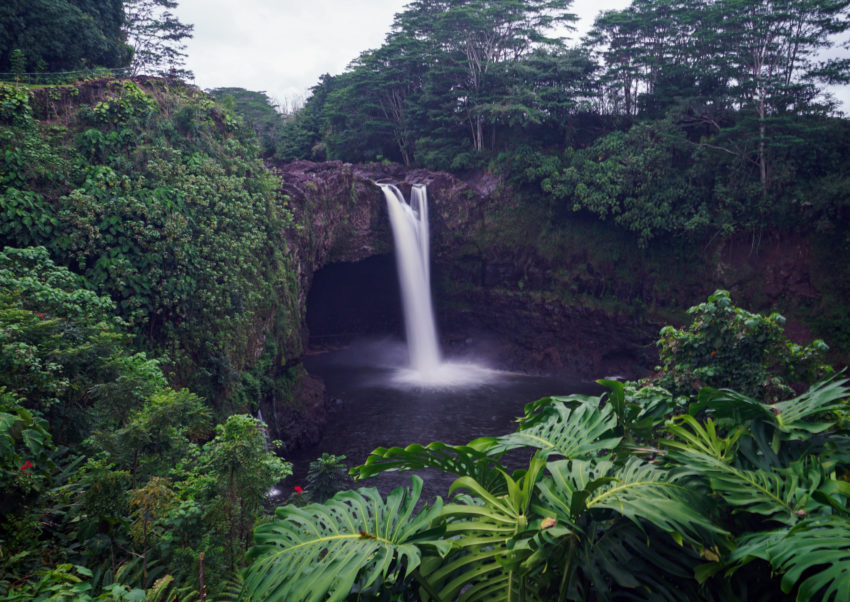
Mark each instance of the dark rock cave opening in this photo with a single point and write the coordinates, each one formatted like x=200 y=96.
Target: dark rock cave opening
x=354 y=299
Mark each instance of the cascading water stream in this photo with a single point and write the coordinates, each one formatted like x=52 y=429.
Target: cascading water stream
x=409 y=223
x=410 y=231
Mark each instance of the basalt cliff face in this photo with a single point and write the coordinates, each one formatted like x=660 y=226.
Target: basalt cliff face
x=342 y=219
x=574 y=297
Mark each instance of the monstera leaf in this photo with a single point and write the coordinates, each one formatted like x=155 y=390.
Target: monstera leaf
x=620 y=556
x=318 y=552
x=637 y=491
x=491 y=536
x=803 y=415
x=780 y=494
x=810 y=413
x=578 y=432
x=471 y=460
x=813 y=557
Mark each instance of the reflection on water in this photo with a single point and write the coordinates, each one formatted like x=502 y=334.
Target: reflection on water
x=373 y=405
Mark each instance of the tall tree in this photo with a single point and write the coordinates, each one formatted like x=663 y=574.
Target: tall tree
x=62 y=35
x=468 y=38
x=158 y=38
x=648 y=49
x=769 y=49
x=258 y=111
x=615 y=37
x=386 y=81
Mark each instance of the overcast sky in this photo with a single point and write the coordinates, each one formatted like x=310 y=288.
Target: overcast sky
x=281 y=47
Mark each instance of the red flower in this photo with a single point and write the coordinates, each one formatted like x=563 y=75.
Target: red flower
x=298 y=490
x=26 y=465
x=41 y=316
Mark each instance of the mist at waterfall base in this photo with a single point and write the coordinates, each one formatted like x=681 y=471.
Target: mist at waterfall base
x=386 y=392
x=370 y=407
x=425 y=366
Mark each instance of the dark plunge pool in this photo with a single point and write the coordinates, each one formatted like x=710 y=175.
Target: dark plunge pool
x=373 y=403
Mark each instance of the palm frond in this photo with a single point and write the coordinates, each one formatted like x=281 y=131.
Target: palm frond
x=318 y=552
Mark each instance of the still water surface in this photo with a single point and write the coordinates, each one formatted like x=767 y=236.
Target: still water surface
x=373 y=404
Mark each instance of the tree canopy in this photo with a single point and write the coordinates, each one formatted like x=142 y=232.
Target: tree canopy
x=61 y=35
x=728 y=92
x=157 y=37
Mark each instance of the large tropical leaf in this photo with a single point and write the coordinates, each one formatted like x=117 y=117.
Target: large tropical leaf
x=734 y=407
x=805 y=413
x=536 y=411
x=578 y=432
x=781 y=494
x=813 y=557
x=610 y=512
x=319 y=551
x=811 y=412
x=492 y=539
x=470 y=460
x=637 y=491
x=622 y=560
x=640 y=411
x=693 y=437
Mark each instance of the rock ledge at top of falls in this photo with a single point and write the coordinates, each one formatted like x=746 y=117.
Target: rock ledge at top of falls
x=341 y=216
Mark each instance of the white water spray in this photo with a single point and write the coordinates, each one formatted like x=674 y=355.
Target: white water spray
x=412 y=247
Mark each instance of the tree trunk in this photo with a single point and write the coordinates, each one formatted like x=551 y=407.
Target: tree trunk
x=762 y=156
x=202 y=578
x=231 y=494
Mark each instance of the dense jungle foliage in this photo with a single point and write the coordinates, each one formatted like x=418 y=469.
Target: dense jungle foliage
x=646 y=492
x=669 y=118
x=116 y=478
x=158 y=199
x=57 y=41
x=148 y=305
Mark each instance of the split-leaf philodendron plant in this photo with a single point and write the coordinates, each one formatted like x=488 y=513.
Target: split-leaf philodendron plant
x=635 y=494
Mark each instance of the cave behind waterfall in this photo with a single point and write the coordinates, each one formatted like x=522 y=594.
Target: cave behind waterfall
x=349 y=300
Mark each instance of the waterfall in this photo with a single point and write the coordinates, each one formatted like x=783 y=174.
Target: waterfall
x=410 y=232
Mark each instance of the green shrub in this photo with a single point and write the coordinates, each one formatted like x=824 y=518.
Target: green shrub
x=728 y=347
